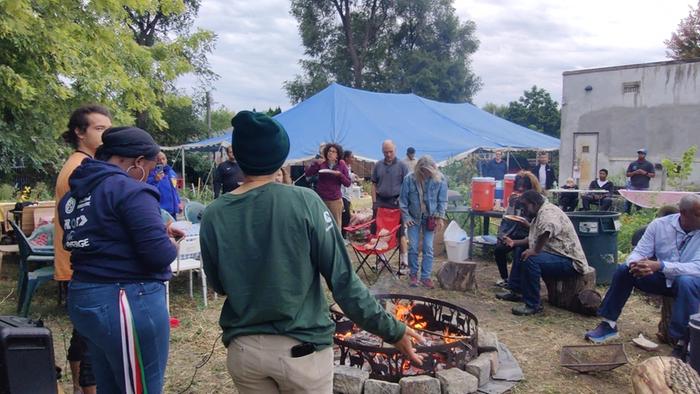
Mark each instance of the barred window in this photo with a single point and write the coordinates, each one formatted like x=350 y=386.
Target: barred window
x=631 y=87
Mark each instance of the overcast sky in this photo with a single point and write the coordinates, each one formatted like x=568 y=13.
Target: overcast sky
x=523 y=43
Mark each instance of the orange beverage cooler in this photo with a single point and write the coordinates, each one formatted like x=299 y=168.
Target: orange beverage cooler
x=483 y=192
x=508 y=185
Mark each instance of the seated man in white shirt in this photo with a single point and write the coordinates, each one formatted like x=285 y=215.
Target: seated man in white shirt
x=604 y=200
x=675 y=242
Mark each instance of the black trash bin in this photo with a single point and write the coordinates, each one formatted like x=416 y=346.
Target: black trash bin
x=597 y=231
x=694 y=330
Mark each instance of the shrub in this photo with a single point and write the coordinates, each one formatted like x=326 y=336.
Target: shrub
x=7 y=192
x=629 y=224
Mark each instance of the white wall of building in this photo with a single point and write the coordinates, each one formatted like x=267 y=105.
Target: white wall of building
x=662 y=115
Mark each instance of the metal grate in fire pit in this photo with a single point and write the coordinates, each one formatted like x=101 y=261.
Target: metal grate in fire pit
x=449 y=332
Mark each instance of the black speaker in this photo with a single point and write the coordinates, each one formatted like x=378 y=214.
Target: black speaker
x=26 y=357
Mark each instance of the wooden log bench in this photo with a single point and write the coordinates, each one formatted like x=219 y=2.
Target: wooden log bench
x=576 y=294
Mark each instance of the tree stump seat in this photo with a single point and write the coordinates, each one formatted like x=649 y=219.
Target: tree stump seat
x=576 y=294
x=666 y=304
x=661 y=375
x=459 y=276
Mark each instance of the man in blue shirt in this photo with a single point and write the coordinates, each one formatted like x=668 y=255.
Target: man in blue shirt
x=666 y=261
x=496 y=167
x=640 y=173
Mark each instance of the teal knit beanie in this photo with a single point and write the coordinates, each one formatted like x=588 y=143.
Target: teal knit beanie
x=260 y=143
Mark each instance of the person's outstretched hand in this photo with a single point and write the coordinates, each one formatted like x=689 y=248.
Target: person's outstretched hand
x=405 y=346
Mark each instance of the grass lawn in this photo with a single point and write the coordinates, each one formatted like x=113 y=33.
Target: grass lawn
x=535 y=341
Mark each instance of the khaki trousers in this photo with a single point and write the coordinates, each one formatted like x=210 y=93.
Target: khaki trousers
x=263 y=364
x=336 y=208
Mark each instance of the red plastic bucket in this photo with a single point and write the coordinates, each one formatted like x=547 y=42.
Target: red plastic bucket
x=483 y=191
x=508 y=185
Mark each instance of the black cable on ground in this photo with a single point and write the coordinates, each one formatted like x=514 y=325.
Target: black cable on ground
x=202 y=363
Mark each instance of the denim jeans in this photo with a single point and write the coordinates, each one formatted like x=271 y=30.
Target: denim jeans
x=685 y=292
x=413 y=240
x=525 y=275
x=500 y=254
x=94 y=310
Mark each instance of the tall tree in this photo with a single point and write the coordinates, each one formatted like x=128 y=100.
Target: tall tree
x=176 y=54
x=402 y=46
x=536 y=110
x=685 y=42
x=430 y=52
x=58 y=54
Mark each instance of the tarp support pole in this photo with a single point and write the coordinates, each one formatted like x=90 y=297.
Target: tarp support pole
x=184 y=184
x=507 y=159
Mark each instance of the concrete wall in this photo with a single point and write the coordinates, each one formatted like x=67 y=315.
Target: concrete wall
x=663 y=116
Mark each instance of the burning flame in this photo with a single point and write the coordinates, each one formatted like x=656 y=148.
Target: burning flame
x=447 y=336
x=404 y=313
x=344 y=336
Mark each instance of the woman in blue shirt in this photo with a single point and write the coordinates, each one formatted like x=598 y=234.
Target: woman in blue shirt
x=423 y=201
x=164 y=179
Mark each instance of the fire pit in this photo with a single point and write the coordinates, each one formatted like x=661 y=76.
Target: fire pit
x=449 y=332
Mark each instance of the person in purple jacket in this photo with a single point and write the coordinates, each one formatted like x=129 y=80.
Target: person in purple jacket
x=121 y=253
x=332 y=173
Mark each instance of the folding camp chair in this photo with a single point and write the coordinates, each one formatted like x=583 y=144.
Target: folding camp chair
x=385 y=240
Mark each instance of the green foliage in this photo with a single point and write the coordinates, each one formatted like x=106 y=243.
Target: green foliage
x=536 y=110
x=619 y=179
x=58 y=54
x=402 y=46
x=273 y=112
x=495 y=109
x=7 y=192
x=459 y=175
x=629 y=224
x=200 y=192
x=678 y=172
x=185 y=123
x=221 y=119
x=685 y=42
x=40 y=192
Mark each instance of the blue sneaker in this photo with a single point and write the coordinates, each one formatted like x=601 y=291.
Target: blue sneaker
x=602 y=333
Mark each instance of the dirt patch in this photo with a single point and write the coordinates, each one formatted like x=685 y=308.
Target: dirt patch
x=535 y=341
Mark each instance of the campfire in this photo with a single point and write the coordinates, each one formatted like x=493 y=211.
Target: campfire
x=449 y=338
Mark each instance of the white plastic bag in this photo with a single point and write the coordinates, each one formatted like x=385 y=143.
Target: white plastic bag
x=454 y=233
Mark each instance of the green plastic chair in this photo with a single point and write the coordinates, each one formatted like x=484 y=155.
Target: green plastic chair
x=193 y=211
x=29 y=281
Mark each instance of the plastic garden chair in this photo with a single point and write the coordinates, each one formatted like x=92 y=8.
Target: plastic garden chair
x=29 y=281
x=188 y=259
x=193 y=211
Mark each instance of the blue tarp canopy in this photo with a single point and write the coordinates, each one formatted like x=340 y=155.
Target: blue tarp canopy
x=360 y=120
x=212 y=144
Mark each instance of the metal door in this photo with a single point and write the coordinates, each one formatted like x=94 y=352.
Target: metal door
x=585 y=158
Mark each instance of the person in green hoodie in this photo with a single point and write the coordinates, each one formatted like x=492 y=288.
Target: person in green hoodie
x=266 y=246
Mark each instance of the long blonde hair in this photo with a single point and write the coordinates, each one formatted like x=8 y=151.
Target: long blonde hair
x=426 y=169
